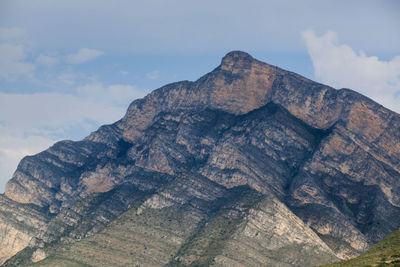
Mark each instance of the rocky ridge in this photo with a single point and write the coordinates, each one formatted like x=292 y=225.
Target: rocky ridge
x=248 y=158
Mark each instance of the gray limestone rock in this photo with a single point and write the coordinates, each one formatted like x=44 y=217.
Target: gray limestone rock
x=250 y=165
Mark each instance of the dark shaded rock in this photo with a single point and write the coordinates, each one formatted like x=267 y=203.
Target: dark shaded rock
x=250 y=165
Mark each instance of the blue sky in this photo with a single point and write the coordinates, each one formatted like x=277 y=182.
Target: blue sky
x=67 y=67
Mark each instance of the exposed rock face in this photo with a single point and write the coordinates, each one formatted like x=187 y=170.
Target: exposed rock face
x=250 y=165
x=38 y=255
x=19 y=224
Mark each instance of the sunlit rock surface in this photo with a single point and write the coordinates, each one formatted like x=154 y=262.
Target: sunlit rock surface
x=250 y=165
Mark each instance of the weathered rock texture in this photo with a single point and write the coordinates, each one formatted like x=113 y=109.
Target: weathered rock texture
x=250 y=165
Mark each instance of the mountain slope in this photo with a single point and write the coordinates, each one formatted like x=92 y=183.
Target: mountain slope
x=311 y=167
x=385 y=253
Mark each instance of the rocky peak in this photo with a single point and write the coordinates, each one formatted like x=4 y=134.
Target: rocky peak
x=330 y=156
x=239 y=85
x=236 y=61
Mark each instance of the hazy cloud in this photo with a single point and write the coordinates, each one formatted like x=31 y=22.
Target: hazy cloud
x=113 y=95
x=12 y=34
x=13 y=62
x=83 y=55
x=340 y=66
x=154 y=75
x=13 y=56
x=192 y=26
x=47 y=60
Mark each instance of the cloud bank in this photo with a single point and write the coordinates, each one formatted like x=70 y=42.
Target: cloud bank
x=340 y=66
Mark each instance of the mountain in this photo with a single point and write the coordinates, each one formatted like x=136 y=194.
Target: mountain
x=250 y=165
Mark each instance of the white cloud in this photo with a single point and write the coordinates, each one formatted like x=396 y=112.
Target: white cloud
x=13 y=62
x=46 y=60
x=154 y=75
x=83 y=55
x=29 y=123
x=340 y=66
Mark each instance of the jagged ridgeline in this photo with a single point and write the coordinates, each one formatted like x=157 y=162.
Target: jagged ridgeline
x=250 y=165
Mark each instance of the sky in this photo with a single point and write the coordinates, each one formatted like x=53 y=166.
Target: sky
x=67 y=67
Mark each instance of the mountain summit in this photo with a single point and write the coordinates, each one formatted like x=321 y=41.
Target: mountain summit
x=250 y=165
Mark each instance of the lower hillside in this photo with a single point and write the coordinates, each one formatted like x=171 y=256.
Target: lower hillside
x=385 y=253
x=196 y=222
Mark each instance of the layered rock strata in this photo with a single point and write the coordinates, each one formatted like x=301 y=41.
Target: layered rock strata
x=248 y=158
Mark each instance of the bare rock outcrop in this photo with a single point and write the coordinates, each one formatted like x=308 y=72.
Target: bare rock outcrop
x=248 y=158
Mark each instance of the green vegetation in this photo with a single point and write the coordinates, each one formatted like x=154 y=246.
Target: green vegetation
x=60 y=262
x=384 y=253
x=177 y=235
x=209 y=238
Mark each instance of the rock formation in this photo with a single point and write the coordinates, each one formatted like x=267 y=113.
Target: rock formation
x=250 y=165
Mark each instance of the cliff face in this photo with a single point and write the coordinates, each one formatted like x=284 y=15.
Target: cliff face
x=248 y=158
